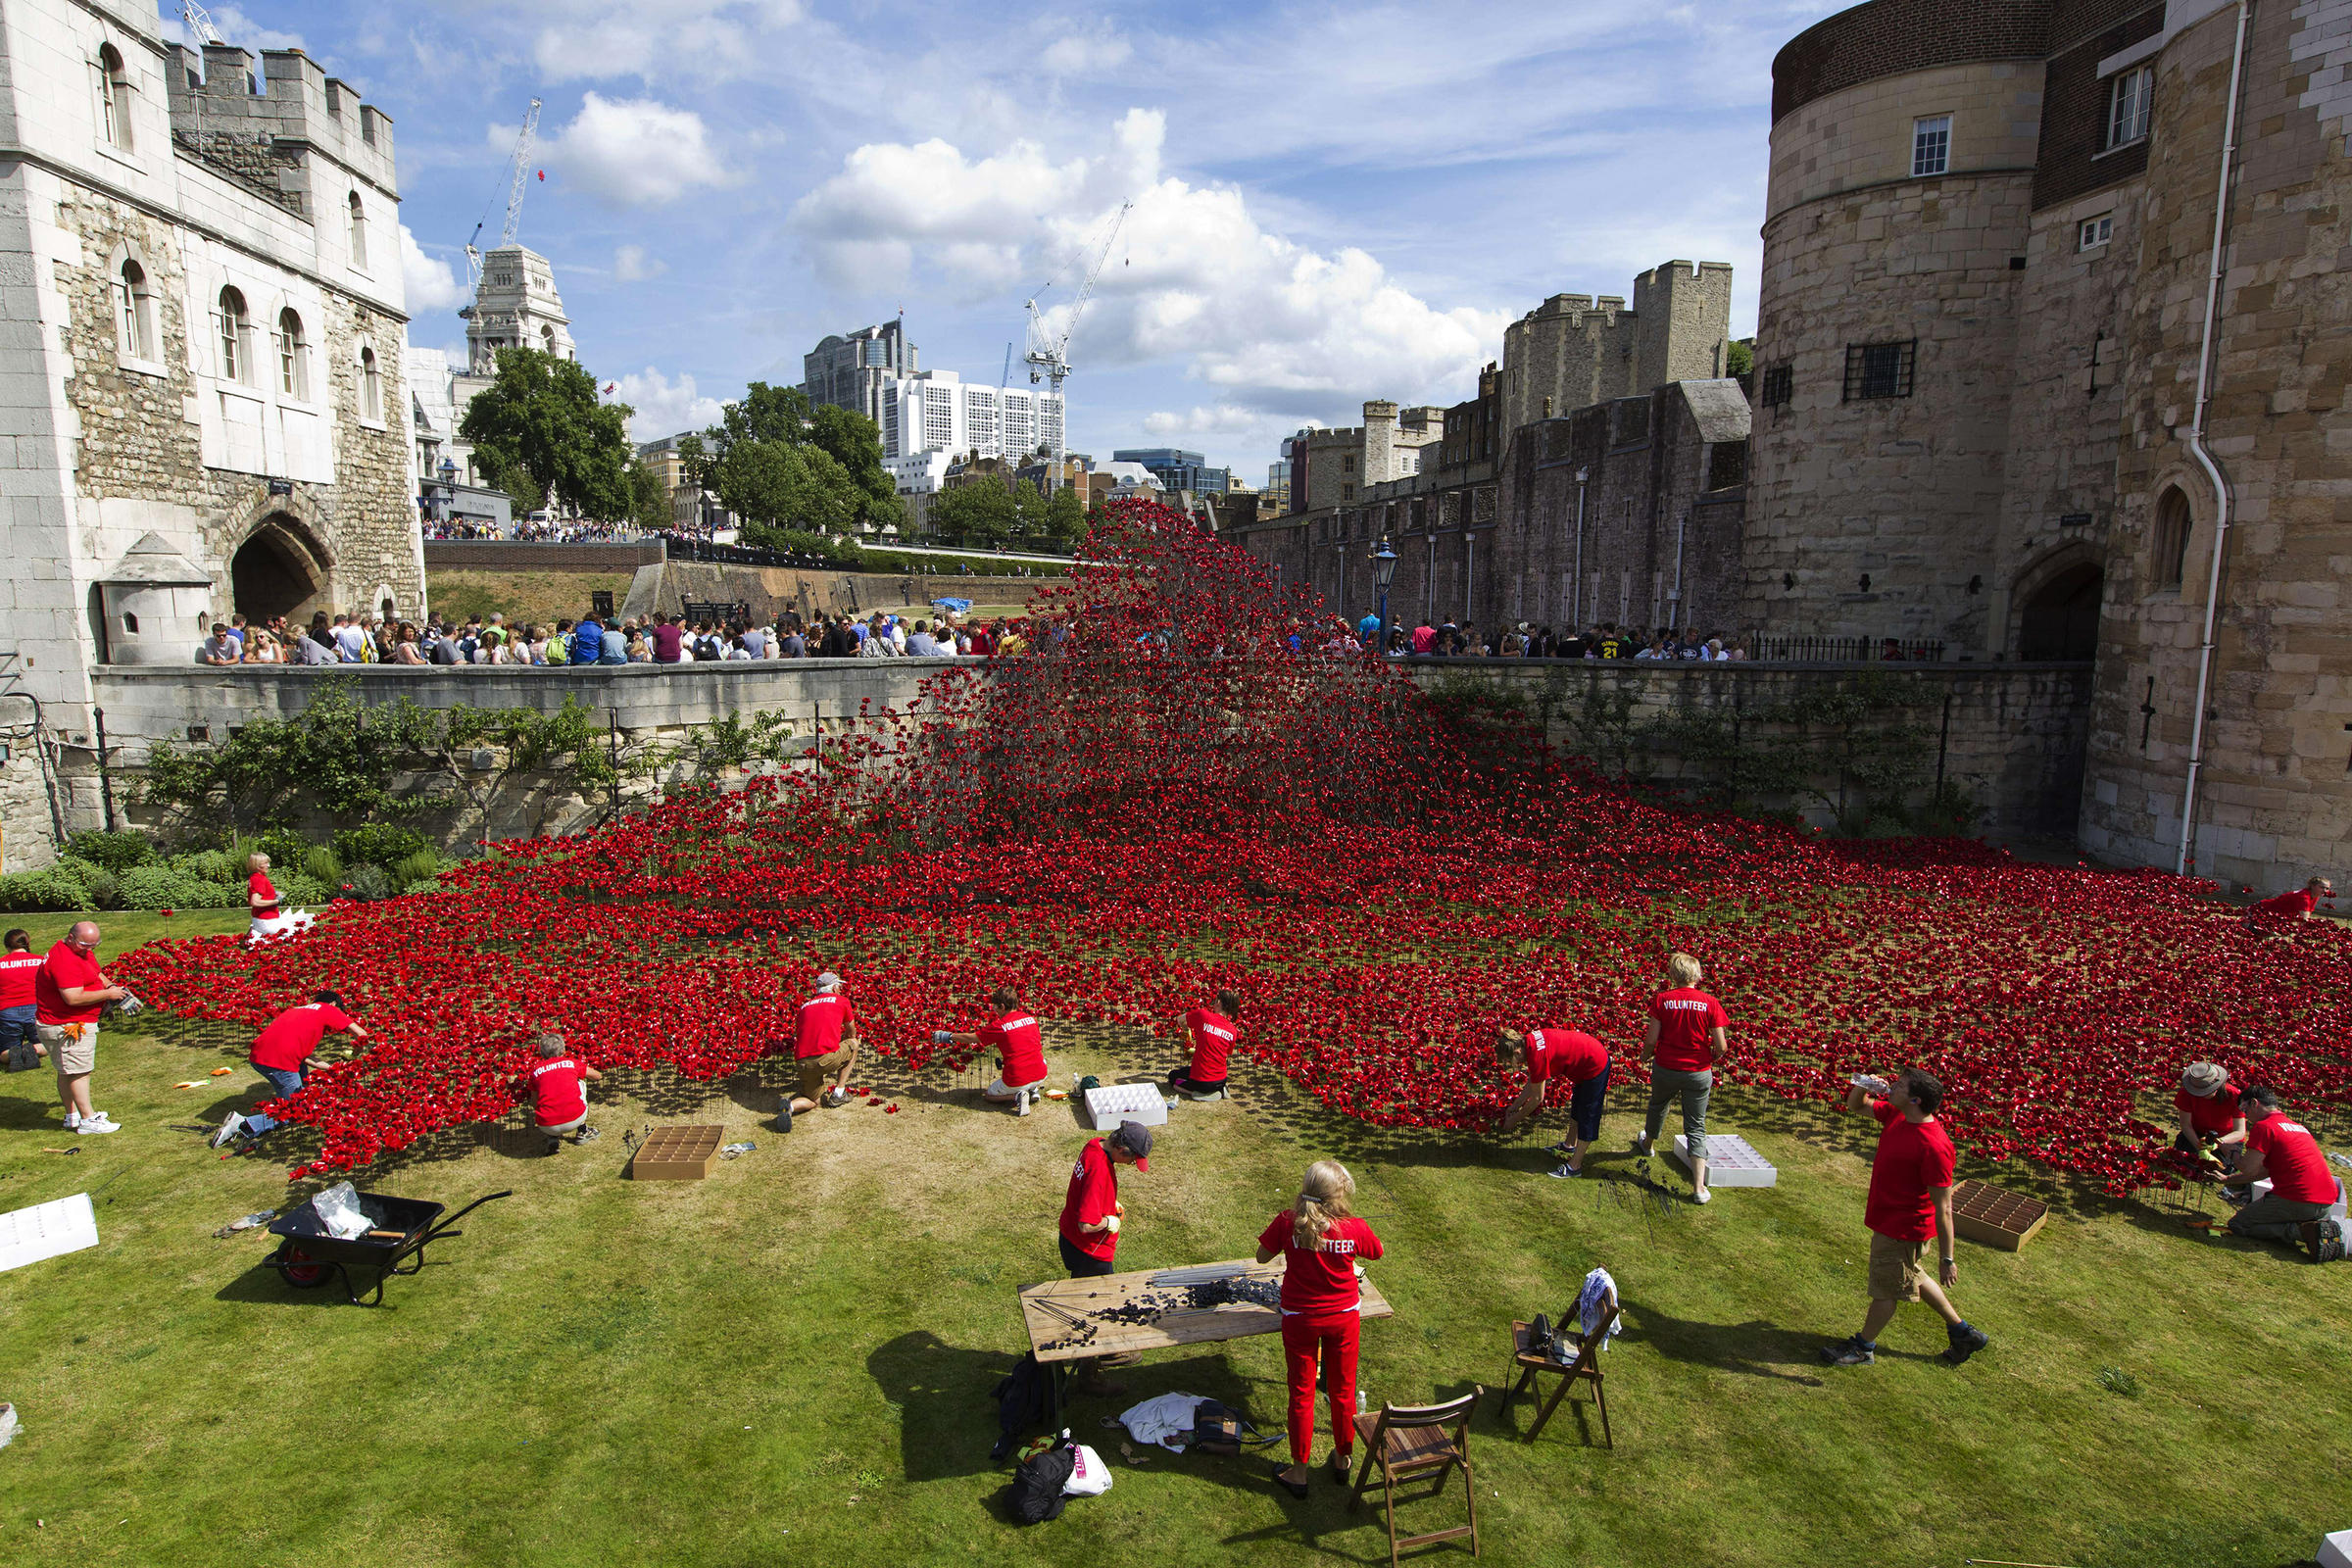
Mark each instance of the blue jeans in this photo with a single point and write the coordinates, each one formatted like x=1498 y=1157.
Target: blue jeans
x=1584 y=1103
x=285 y=1083
x=15 y=1036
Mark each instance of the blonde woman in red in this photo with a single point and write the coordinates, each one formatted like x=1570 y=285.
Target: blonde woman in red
x=1319 y=1241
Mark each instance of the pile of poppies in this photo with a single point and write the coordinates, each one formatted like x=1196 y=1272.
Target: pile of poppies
x=1176 y=790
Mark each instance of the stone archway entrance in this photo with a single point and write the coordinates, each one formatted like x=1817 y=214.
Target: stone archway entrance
x=276 y=571
x=2060 y=621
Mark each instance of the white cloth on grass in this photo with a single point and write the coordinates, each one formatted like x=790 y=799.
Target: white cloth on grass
x=1088 y=1477
x=1159 y=1419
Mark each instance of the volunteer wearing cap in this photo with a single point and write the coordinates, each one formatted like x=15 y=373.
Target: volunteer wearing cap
x=824 y=1041
x=2302 y=1188
x=1561 y=1055
x=1019 y=1044
x=2213 y=1126
x=1319 y=1241
x=1091 y=1213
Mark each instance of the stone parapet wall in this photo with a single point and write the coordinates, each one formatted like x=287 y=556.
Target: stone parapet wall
x=514 y=554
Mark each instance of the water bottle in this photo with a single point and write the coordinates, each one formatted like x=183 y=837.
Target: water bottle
x=1360 y=1407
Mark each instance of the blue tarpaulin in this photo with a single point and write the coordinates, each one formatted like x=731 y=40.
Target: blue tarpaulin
x=956 y=606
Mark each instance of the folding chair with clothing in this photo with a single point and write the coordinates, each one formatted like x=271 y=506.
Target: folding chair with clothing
x=1584 y=1365
x=1408 y=1441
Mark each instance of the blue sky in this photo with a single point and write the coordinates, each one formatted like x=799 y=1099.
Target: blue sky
x=1332 y=202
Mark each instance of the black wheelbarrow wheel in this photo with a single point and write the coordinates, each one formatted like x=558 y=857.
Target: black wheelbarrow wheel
x=297 y=1268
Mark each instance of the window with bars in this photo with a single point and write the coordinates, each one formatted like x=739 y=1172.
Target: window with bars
x=1779 y=385
x=1879 y=369
x=2127 y=103
x=1930 y=146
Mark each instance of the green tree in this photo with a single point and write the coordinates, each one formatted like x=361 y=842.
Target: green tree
x=1028 y=508
x=1067 y=517
x=776 y=462
x=852 y=441
x=982 y=513
x=649 y=499
x=785 y=486
x=1740 y=357
x=538 y=432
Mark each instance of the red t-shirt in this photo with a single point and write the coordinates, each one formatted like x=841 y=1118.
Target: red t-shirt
x=17 y=970
x=1021 y=1048
x=1319 y=1281
x=1564 y=1056
x=2297 y=903
x=1094 y=1195
x=1425 y=638
x=260 y=883
x=294 y=1034
x=1213 y=1035
x=2215 y=1112
x=62 y=968
x=822 y=1019
x=1913 y=1158
x=1685 y=1016
x=555 y=1093
x=2298 y=1170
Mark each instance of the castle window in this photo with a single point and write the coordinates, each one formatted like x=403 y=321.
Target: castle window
x=134 y=312
x=114 y=97
x=2168 y=551
x=2128 y=107
x=371 y=388
x=1779 y=385
x=1930 y=146
x=236 y=337
x=293 y=357
x=359 y=234
x=1879 y=369
x=2096 y=232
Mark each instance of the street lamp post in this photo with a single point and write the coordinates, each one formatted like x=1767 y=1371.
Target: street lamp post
x=1384 y=572
x=1576 y=589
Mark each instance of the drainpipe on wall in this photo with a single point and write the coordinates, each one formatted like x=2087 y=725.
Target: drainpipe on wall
x=1681 y=523
x=2196 y=444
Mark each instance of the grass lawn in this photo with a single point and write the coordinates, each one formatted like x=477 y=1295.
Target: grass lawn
x=546 y=596
x=790 y=1361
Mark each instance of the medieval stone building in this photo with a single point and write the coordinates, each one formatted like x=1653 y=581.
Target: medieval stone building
x=204 y=404
x=1999 y=405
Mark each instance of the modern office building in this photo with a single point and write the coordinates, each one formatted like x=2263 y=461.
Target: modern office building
x=854 y=371
x=1177 y=469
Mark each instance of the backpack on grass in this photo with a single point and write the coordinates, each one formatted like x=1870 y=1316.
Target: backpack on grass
x=1037 y=1494
x=1021 y=1398
x=1221 y=1430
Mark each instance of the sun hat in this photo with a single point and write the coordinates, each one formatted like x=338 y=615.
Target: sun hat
x=1136 y=1139
x=2202 y=1078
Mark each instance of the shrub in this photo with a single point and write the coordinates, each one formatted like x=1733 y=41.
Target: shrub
x=197 y=894
x=101 y=887
x=378 y=844
x=207 y=865
x=285 y=848
x=422 y=866
x=40 y=891
x=369 y=882
x=152 y=887
x=117 y=851
x=301 y=891
x=428 y=885
x=325 y=864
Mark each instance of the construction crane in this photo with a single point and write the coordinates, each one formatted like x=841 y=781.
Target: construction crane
x=199 y=23
x=1049 y=356
x=1003 y=385
x=518 y=177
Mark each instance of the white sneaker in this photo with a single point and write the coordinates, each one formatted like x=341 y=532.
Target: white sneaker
x=72 y=1120
x=229 y=1129
x=94 y=1124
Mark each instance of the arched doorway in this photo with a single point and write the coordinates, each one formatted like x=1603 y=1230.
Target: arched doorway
x=275 y=572
x=2060 y=621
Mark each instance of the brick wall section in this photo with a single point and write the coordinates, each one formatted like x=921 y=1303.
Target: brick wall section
x=1889 y=37
x=2073 y=118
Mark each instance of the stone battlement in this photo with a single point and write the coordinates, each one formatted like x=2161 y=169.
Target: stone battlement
x=265 y=139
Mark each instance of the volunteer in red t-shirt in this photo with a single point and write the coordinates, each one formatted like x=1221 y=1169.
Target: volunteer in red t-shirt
x=824 y=1040
x=556 y=1085
x=1091 y=1216
x=2298 y=905
x=1910 y=1205
x=2302 y=1188
x=2212 y=1126
x=1683 y=1045
x=20 y=1048
x=69 y=993
x=1557 y=1056
x=282 y=1051
x=1020 y=1049
x=1214 y=1036
x=1319 y=1241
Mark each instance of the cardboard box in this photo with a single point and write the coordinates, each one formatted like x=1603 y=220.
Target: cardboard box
x=1996 y=1218
x=676 y=1153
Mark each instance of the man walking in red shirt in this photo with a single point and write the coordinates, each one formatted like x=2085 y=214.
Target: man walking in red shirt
x=824 y=1041
x=1910 y=1205
x=1090 y=1214
x=281 y=1054
x=2302 y=1188
x=69 y=993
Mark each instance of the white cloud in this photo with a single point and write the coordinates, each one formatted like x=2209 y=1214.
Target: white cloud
x=664 y=407
x=601 y=39
x=630 y=264
x=1276 y=327
x=234 y=26
x=429 y=282
x=631 y=152
x=1226 y=418
x=1082 y=53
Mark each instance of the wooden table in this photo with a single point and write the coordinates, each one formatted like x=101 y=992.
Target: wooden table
x=1198 y=1326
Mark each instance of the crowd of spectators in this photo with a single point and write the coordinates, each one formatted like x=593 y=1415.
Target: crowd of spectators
x=1465 y=639
x=565 y=532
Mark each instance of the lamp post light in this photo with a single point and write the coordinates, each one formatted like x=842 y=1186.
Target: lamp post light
x=1576 y=589
x=1384 y=572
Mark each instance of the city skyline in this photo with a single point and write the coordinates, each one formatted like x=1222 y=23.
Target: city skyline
x=727 y=183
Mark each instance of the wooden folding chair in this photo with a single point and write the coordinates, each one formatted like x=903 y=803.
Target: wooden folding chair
x=1586 y=1367
x=1411 y=1440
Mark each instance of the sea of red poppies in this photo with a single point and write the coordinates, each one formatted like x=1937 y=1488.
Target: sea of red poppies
x=1176 y=789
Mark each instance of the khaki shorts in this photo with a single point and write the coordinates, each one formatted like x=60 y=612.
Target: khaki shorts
x=814 y=1070
x=1895 y=1274
x=73 y=1058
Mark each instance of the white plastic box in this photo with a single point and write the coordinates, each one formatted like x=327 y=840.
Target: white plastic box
x=2336 y=1550
x=1732 y=1161
x=1112 y=1104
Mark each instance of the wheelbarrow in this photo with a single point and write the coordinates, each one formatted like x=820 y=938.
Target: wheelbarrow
x=399 y=1230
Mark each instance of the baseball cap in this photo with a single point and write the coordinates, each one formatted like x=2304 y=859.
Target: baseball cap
x=828 y=981
x=1136 y=1139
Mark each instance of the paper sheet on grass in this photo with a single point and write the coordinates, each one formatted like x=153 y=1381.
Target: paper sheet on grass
x=47 y=1229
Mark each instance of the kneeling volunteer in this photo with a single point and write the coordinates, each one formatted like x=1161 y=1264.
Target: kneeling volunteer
x=558 y=1087
x=281 y=1054
x=2302 y=1188
x=17 y=1013
x=1213 y=1035
x=2213 y=1126
x=1563 y=1056
x=824 y=1041
x=1020 y=1048
x=1319 y=1241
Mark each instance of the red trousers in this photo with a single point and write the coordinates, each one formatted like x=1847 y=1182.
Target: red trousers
x=1333 y=1340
